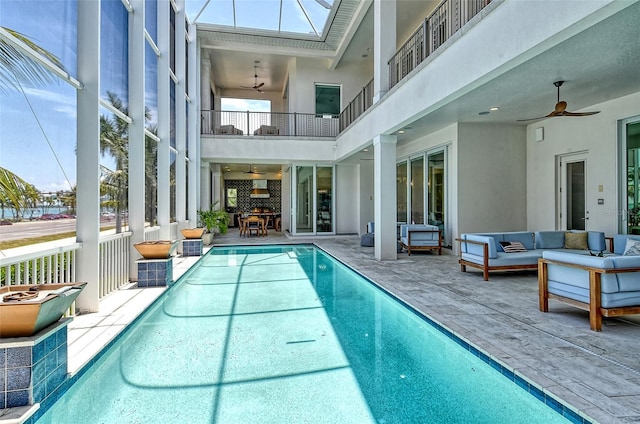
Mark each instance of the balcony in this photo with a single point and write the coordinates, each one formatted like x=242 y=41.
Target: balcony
x=268 y=124
x=446 y=20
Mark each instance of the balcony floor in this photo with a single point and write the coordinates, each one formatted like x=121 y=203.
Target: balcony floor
x=596 y=373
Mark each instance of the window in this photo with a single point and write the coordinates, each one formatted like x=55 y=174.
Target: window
x=327 y=100
x=232 y=197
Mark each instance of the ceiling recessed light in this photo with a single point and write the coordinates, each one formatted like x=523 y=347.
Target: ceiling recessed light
x=401 y=132
x=484 y=112
x=494 y=108
x=365 y=150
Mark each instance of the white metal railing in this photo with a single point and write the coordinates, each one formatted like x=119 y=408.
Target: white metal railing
x=114 y=262
x=272 y=124
x=52 y=265
x=151 y=233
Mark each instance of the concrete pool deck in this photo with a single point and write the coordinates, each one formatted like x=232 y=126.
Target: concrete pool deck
x=597 y=373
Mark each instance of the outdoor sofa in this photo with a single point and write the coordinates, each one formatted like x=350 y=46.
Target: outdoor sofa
x=604 y=286
x=486 y=251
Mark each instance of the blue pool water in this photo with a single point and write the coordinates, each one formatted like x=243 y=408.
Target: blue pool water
x=286 y=334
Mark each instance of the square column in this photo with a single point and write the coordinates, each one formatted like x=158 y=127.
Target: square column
x=384 y=44
x=384 y=202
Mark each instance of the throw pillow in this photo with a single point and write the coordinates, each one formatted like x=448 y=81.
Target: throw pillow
x=576 y=241
x=512 y=246
x=632 y=248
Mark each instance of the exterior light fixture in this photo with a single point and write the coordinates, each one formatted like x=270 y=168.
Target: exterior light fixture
x=493 y=109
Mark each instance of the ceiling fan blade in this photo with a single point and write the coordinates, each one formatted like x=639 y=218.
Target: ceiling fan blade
x=259 y=85
x=244 y=86
x=580 y=113
x=532 y=119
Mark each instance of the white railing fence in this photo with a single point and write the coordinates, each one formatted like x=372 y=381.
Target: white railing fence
x=151 y=233
x=52 y=265
x=114 y=262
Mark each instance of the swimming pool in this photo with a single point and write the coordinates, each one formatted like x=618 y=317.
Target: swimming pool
x=286 y=334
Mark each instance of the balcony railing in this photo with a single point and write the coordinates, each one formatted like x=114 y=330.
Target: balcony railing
x=220 y=122
x=446 y=20
x=357 y=106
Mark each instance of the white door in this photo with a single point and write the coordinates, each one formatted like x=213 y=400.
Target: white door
x=573 y=213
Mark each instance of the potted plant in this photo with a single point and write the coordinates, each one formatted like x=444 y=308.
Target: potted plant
x=213 y=219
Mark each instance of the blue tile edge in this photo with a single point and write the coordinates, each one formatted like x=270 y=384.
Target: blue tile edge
x=546 y=398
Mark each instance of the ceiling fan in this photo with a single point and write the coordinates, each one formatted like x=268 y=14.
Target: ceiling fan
x=561 y=108
x=256 y=86
x=252 y=171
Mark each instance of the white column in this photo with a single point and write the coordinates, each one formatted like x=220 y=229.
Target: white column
x=194 y=129
x=205 y=186
x=164 y=204
x=205 y=96
x=136 y=131
x=384 y=44
x=384 y=202
x=216 y=185
x=88 y=155
x=181 y=118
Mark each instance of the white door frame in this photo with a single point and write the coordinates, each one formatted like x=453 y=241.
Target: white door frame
x=562 y=206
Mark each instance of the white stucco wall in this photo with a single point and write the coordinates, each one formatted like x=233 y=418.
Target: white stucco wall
x=347 y=204
x=598 y=136
x=309 y=71
x=366 y=178
x=491 y=172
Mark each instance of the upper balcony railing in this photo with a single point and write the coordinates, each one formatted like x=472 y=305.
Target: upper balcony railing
x=358 y=105
x=446 y=20
x=220 y=122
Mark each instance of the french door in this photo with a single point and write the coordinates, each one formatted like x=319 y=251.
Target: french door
x=572 y=171
x=312 y=189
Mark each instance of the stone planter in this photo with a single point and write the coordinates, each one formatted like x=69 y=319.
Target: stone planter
x=192 y=233
x=157 y=249
x=207 y=239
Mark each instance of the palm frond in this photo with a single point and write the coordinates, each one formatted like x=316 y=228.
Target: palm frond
x=17 y=67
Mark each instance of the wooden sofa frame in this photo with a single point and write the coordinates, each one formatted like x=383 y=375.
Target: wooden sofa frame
x=596 y=311
x=485 y=268
x=409 y=247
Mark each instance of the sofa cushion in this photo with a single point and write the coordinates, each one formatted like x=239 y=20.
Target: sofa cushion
x=576 y=241
x=549 y=239
x=620 y=242
x=632 y=248
x=596 y=241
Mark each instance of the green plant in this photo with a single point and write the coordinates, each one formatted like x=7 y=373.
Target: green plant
x=213 y=218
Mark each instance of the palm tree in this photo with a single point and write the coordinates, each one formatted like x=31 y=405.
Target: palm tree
x=17 y=67
x=15 y=193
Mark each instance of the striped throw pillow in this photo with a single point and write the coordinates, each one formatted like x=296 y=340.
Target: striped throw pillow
x=512 y=246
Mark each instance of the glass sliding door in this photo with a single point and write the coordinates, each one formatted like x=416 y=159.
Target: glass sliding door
x=312 y=196
x=303 y=199
x=324 y=200
x=436 y=190
x=632 y=141
x=417 y=190
x=401 y=191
